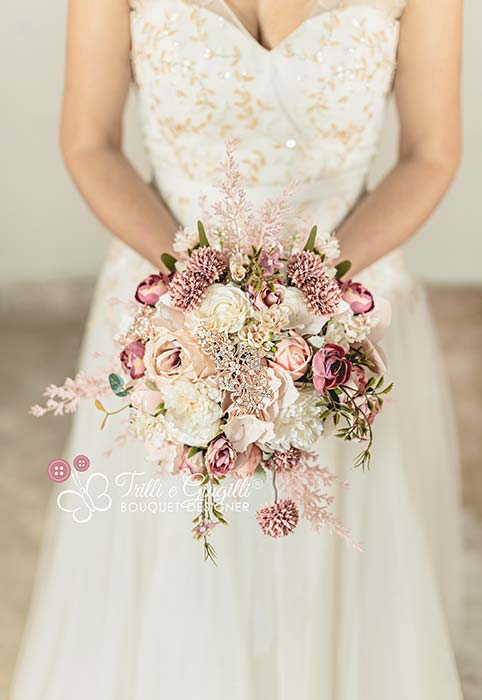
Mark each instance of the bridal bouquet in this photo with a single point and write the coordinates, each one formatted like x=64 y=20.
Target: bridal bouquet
x=245 y=353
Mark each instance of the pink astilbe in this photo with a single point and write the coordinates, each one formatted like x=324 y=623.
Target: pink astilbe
x=234 y=213
x=65 y=399
x=322 y=293
x=306 y=483
x=273 y=220
x=205 y=267
x=278 y=519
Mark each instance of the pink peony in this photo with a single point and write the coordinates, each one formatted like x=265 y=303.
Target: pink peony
x=220 y=456
x=132 y=358
x=268 y=296
x=150 y=290
x=145 y=399
x=358 y=297
x=293 y=354
x=330 y=367
x=247 y=462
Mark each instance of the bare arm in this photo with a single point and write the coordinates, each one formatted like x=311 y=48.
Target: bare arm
x=96 y=88
x=427 y=90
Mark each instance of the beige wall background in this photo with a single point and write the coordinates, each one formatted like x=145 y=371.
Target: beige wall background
x=47 y=230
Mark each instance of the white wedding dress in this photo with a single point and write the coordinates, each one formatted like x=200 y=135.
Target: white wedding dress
x=125 y=608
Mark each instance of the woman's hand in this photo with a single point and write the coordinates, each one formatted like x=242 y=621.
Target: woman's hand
x=96 y=88
x=427 y=90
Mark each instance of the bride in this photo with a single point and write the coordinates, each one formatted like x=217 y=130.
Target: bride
x=124 y=607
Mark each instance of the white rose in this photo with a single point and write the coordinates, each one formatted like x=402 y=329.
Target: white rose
x=238 y=266
x=298 y=424
x=193 y=411
x=299 y=317
x=224 y=308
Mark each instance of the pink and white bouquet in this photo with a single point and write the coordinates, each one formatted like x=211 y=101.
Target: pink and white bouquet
x=243 y=355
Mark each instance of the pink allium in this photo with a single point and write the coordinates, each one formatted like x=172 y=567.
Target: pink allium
x=358 y=297
x=288 y=460
x=220 y=456
x=132 y=358
x=150 y=290
x=330 y=367
x=278 y=519
x=205 y=267
x=322 y=294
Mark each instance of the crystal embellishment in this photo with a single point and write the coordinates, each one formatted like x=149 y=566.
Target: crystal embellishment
x=239 y=370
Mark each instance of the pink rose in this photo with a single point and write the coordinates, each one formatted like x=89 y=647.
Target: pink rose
x=145 y=399
x=293 y=354
x=173 y=353
x=150 y=290
x=132 y=358
x=247 y=462
x=220 y=456
x=269 y=296
x=193 y=464
x=330 y=367
x=358 y=297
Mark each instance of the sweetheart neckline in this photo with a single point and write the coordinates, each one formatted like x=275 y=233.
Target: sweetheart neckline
x=244 y=31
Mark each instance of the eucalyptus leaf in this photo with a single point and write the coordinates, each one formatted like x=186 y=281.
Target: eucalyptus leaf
x=117 y=385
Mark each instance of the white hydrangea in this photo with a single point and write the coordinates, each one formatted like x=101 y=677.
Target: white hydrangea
x=298 y=424
x=349 y=328
x=184 y=240
x=149 y=428
x=328 y=244
x=193 y=411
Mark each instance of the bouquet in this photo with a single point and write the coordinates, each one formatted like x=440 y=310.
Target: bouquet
x=244 y=353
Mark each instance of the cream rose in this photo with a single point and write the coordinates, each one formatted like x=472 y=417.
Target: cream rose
x=299 y=317
x=224 y=308
x=172 y=354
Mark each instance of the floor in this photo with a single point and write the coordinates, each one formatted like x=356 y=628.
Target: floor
x=41 y=340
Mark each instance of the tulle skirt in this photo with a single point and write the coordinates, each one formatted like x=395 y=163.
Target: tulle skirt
x=125 y=608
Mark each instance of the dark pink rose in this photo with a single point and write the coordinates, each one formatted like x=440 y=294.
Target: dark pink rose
x=220 y=456
x=330 y=367
x=150 y=290
x=358 y=297
x=268 y=296
x=132 y=358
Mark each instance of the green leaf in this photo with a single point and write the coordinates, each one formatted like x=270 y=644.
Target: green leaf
x=203 y=239
x=342 y=268
x=193 y=451
x=117 y=385
x=169 y=262
x=310 y=243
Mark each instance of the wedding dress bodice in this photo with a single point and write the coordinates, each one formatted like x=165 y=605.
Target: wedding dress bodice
x=309 y=110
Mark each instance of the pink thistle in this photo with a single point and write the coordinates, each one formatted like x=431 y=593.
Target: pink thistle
x=278 y=519
x=205 y=267
x=322 y=293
